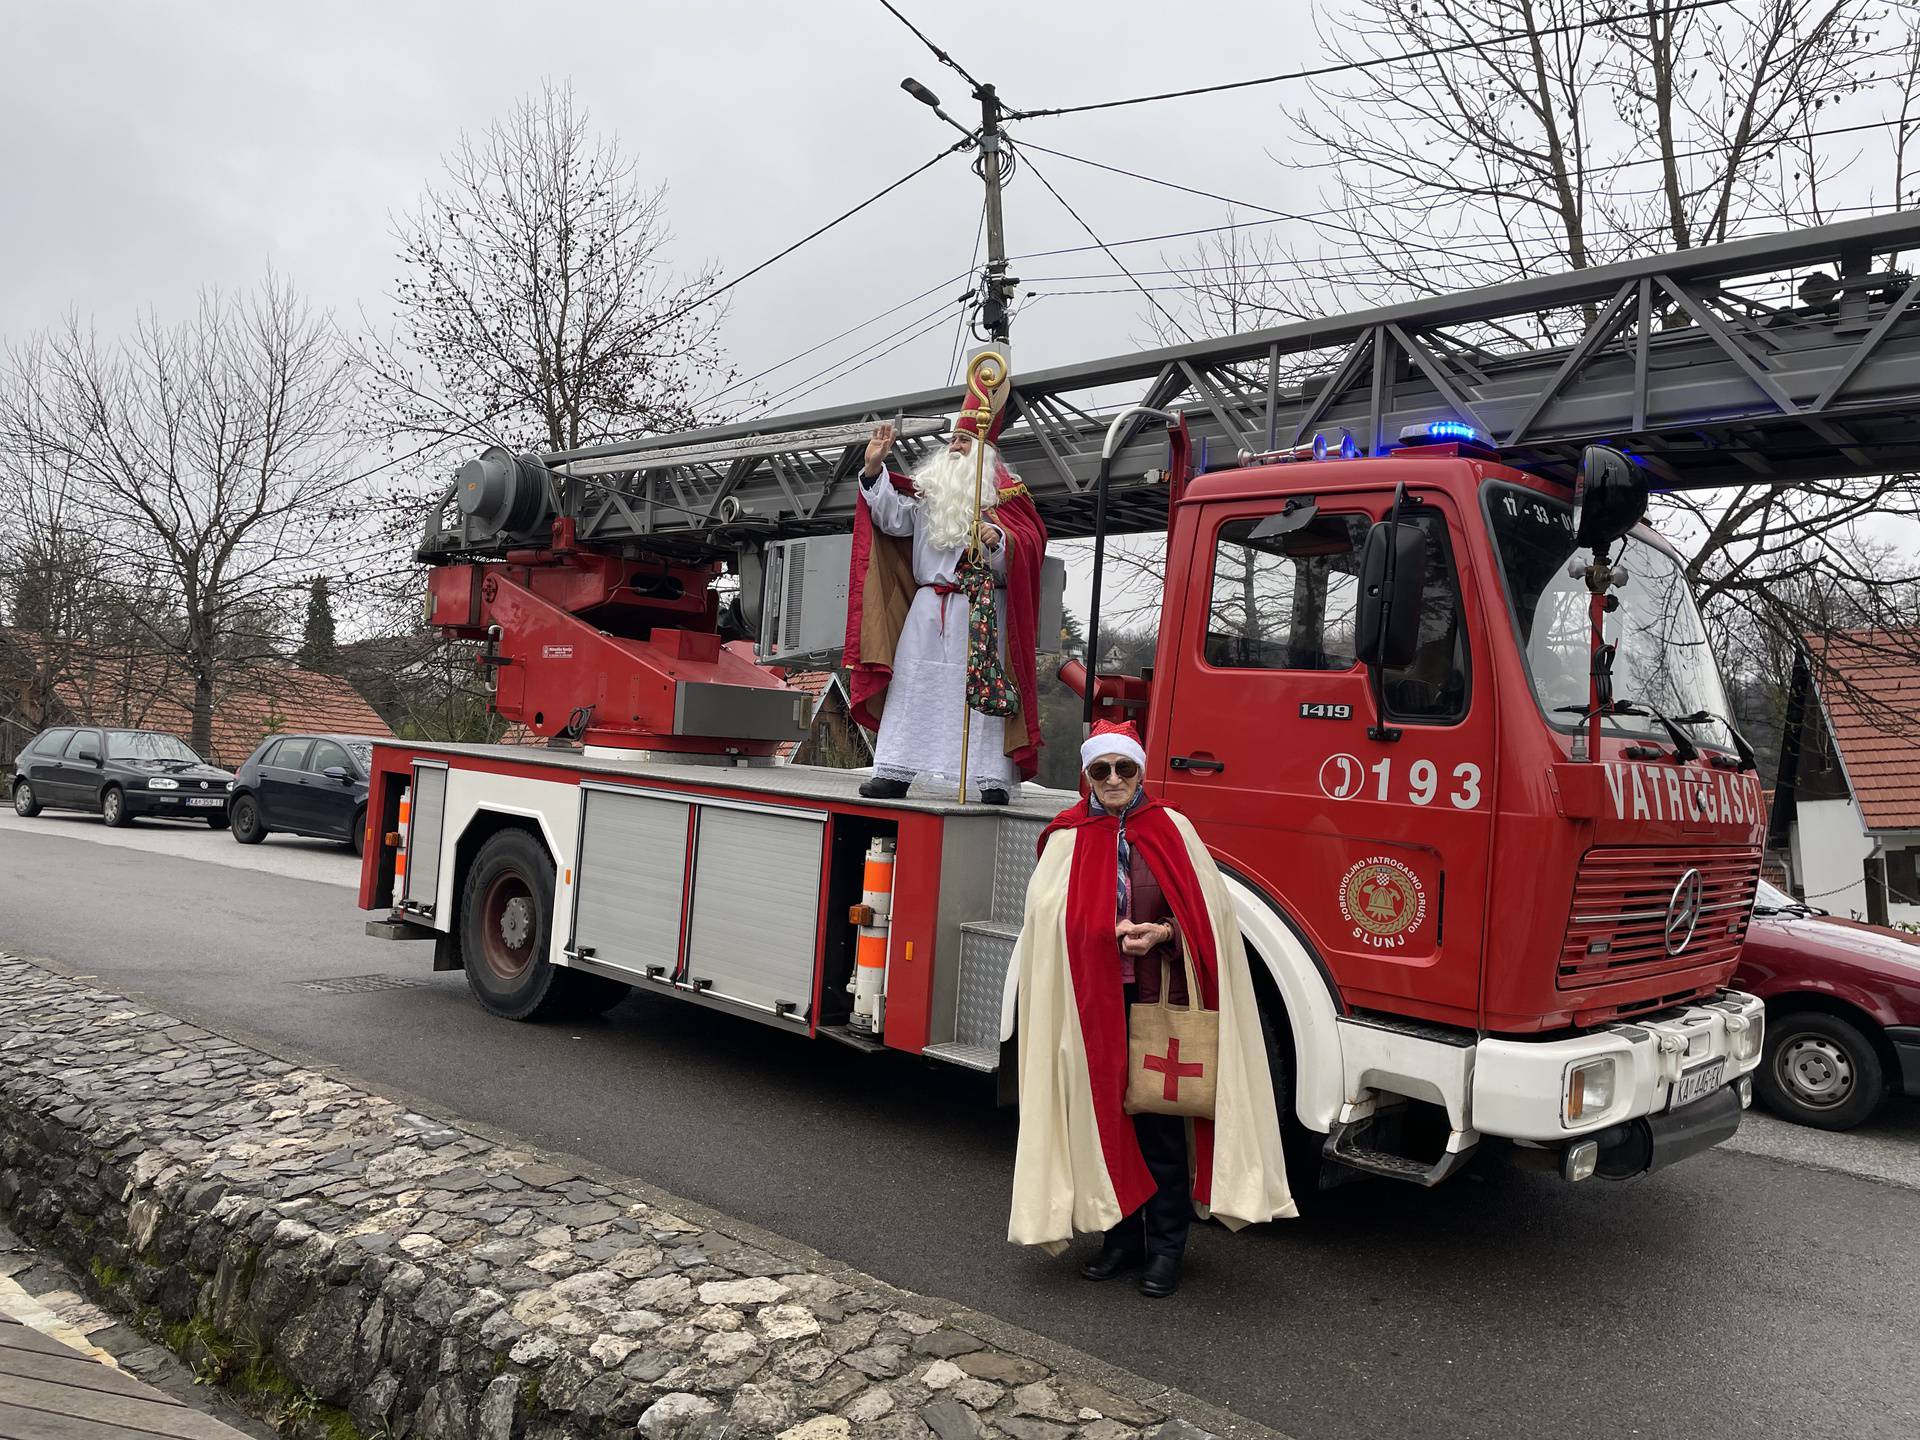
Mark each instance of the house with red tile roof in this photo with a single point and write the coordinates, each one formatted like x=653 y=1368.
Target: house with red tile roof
x=1846 y=807
x=152 y=692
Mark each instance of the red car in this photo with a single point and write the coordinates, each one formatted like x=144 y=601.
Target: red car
x=1843 y=1011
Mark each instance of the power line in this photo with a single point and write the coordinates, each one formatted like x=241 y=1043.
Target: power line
x=1104 y=247
x=1369 y=64
x=960 y=324
x=938 y=313
x=942 y=56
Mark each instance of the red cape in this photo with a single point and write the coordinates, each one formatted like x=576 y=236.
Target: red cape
x=1092 y=895
x=885 y=561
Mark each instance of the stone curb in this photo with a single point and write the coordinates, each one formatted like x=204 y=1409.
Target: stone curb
x=375 y=1268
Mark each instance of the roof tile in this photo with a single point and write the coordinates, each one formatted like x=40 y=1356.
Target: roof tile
x=1870 y=685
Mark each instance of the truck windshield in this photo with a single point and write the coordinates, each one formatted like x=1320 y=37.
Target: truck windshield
x=1663 y=662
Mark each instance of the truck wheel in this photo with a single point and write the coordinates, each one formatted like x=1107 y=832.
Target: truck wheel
x=113 y=807
x=1819 y=1070
x=24 y=803
x=504 y=919
x=1300 y=1146
x=244 y=820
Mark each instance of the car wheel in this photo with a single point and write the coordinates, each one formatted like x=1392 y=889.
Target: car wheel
x=357 y=840
x=25 y=803
x=113 y=807
x=1819 y=1070
x=243 y=817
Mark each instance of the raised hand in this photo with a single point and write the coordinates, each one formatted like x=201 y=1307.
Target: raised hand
x=878 y=448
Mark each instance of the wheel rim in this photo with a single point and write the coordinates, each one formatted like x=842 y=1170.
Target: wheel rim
x=23 y=797
x=1815 y=1071
x=112 y=806
x=507 y=927
x=243 y=817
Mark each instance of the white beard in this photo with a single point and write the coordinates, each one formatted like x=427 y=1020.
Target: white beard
x=944 y=489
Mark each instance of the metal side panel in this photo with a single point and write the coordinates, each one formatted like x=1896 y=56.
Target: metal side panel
x=756 y=907
x=426 y=822
x=629 y=880
x=1013 y=862
x=985 y=953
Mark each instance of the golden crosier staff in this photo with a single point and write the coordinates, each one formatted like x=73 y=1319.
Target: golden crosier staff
x=986 y=373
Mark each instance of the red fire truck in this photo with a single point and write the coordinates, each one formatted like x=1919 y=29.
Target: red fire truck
x=1437 y=699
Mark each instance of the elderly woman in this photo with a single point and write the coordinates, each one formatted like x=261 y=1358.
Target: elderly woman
x=1124 y=884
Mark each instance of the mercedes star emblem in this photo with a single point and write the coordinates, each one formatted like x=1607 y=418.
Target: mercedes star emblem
x=1683 y=911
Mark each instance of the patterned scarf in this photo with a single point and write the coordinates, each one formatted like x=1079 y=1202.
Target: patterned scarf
x=988 y=689
x=1123 y=850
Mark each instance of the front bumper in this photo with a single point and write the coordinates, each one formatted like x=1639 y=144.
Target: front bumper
x=1519 y=1086
x=173 y=803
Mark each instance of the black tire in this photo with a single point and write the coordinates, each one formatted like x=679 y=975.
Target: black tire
x=357 y=837
x=506 y=909
x=1302 y=1148
x=243 y=819
x=113 y=807
x=25 y=804
x=1819 y=1070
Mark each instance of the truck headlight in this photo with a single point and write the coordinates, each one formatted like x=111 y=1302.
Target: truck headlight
x=1743 y=1036
x=1588 y=1090
x=161 y=782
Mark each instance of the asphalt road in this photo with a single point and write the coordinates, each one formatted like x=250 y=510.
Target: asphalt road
x=1737 y=1295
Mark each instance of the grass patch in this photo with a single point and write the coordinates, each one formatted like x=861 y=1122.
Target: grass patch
x=107 y=1277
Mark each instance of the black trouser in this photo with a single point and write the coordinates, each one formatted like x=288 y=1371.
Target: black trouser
x=1160 y=1225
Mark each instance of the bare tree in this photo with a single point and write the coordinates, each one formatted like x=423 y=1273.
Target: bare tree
x=1537 y=141
x=536 y=307
x=207 y=458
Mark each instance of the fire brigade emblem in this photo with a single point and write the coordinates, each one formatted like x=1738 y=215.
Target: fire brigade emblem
x=1383 y=901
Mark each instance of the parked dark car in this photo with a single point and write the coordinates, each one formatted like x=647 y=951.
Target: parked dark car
x=120 y=775
x=1843 y=1011
x=304 y=785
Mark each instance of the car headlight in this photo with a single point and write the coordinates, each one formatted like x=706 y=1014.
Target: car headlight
x=1588 y=1090
x=229 y=784
x=161 y=782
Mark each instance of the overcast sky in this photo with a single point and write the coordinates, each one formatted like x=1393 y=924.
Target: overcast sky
x=151 y=149
x=148 y=150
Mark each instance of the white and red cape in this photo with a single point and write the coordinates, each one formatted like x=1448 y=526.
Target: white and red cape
x=1078 y=1166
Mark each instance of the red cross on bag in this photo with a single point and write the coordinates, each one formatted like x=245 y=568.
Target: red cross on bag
x=1171 y=1052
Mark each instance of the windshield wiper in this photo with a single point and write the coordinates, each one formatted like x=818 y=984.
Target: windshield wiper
x=1748 y=759
x=1683 y=747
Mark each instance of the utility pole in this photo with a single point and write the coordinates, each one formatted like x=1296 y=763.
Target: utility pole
x=998 y=288
x=994 y=164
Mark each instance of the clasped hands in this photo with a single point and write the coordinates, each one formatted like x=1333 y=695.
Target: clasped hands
x=1139 y=939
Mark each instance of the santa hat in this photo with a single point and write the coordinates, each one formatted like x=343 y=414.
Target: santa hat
x=969 y=424
x=1113 y=737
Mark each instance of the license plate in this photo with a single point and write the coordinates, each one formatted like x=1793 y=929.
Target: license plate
x=210 y=801
x=1692 y=1084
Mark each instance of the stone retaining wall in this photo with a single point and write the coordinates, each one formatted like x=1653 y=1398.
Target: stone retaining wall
x=363 y=1270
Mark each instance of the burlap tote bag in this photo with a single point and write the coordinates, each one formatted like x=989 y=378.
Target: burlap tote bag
x=1172 y=1051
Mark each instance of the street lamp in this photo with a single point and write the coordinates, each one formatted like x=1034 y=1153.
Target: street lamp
x=932 y=101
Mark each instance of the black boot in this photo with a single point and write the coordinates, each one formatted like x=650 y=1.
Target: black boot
x=1111 y=1261
x=992 y=796
x=1162 y=1277
x=881 y=788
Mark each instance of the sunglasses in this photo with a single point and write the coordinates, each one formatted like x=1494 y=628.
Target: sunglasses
x=1100 y=769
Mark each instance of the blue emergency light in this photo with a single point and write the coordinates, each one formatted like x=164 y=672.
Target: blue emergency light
x=1442 y=432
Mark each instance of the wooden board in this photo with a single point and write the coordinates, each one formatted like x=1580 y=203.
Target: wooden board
x=49 y=1391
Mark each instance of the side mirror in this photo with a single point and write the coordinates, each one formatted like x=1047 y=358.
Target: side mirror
x=1609 y=499
x=1393 y=572
x=339 y=774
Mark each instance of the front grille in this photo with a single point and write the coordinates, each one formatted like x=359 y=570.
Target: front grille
x=1618 y=925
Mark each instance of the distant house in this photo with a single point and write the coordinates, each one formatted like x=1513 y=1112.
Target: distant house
x=152 y=692
x=834 y=738
x=1846 y=806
